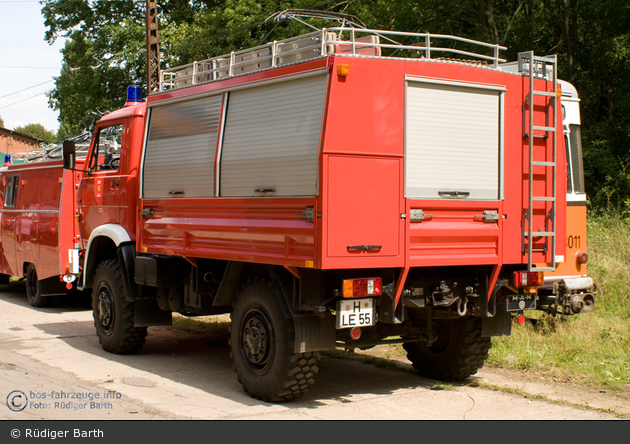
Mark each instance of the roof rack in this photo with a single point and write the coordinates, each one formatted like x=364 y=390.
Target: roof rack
x=53 y=151
x=354 y=40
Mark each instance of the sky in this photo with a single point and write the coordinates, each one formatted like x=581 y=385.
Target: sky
x=26 y=60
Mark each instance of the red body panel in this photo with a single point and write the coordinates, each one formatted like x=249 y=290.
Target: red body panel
x=263 y=231
x=453 y=234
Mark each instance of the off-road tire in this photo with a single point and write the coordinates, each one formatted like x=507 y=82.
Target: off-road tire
x=262 y=343
x=457 y=354
x=34 y=288
x=113 y=314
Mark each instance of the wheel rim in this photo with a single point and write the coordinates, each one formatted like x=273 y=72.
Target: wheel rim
x=32 y=285
x=105 y=304
x=257 y=340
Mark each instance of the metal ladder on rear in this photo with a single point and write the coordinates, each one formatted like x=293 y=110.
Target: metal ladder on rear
x=540 y=68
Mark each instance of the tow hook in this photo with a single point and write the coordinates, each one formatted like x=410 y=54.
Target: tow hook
x=462 y=303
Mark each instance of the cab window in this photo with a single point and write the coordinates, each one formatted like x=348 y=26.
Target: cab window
x=108 y=143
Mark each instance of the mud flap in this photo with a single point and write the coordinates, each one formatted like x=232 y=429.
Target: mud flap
x=147 y=313
x=313 y=333
x=498 y=325
x=496 y=320
x=126 y=256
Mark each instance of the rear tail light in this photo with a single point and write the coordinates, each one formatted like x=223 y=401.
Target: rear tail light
x=528 y=279
x=353 y=288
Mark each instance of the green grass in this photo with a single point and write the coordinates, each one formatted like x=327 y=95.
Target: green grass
x=210 y=324
x=445 y=387
x=593 y=348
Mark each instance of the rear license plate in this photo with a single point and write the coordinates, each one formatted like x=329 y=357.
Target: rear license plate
x=518 y=302
x=355 y=313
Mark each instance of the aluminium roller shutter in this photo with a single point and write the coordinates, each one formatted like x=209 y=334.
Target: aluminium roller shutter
x=180 y=151
x=271 y=139
x=453 y=140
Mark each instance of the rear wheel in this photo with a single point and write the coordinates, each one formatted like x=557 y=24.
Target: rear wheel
x=262 y=343
x=113 y=314
x=458 y=352
x=33 y=288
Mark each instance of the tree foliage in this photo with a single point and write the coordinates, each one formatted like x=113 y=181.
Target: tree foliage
x=106 y=52
x=1 y=122
x=38 y=131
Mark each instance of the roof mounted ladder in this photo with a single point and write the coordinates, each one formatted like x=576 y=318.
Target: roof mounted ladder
x=544 y=68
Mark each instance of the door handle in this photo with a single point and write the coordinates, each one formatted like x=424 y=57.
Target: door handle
x=364 y=247
x=115 y=184
x=454 y=194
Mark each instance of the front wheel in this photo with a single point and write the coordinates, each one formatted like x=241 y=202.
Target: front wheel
x=34 y=289
x=113 y=314
x=262 y=343
x=458 y=352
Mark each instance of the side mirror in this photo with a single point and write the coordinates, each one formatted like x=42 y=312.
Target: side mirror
x=69 y=154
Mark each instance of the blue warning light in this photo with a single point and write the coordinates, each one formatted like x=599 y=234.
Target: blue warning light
x=134 y=93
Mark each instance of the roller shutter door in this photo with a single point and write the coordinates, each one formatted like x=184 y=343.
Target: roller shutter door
x=271 y=139
x=453 y=141
x=180 y=151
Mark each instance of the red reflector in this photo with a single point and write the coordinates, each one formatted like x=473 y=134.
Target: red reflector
x=355 y=333
x=362 y=287
x=581 y=258
x=520 y=319
x=528 y=279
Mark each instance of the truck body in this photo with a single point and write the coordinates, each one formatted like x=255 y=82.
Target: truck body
x=326 y=193
x=38 y=204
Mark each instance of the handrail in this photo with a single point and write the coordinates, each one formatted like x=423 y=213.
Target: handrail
x=327 y=41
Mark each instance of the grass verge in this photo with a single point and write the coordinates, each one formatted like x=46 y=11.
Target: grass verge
x=590 y=349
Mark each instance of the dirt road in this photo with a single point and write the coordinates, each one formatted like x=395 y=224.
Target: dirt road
x=52 y=364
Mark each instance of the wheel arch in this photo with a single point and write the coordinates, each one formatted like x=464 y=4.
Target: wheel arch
x=102 y=245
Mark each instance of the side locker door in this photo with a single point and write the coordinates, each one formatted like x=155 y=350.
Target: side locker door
x=10 y=184
x=49 y=198
x=364 y=212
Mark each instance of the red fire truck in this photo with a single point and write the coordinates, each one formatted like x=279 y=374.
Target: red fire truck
x=344 y=188
x=37 y=230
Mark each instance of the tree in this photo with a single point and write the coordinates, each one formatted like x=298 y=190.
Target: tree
x=38 y=131
x=1 y=122
x=106 y=52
